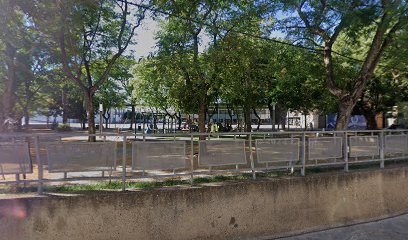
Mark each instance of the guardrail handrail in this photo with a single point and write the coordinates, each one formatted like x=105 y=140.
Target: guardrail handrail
x=367 y=153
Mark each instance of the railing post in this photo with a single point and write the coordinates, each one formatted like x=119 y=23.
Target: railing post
x=124 y=164
x=192 y=159
x=345 y=152
x=303 y=170
x=40 y=165
x=17 y=180
x=382 y=148
x=251 y=157
x=13 y=140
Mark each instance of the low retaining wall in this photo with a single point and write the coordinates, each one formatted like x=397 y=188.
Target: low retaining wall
x=226 y=211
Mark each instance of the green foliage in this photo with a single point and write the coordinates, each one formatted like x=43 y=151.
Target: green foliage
x=356 y=29
x=68 y=53
x=157 y=86
x=26 y=63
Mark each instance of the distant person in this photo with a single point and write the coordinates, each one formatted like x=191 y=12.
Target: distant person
x=219 y=127
x=213 y=128
x=9 y=124
x=149 y=130
x=394 y=125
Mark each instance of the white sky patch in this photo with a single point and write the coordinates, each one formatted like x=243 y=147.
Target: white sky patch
x=144 y=38
x=145 y=42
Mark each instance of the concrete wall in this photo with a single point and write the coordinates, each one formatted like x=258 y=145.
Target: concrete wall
x=226 y=211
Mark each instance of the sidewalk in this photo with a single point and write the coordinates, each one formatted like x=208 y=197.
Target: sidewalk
x=395 y=228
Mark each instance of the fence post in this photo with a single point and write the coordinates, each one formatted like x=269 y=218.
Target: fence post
x=17 y=180
x=124 y=164
x=345 y=152
x=251 y=157
x=40 y=165
x=192 y=159
x=382 y=150
x=303 y=170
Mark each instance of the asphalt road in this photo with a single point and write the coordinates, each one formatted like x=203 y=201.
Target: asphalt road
x=395 y=228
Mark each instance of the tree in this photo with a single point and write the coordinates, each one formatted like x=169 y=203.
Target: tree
x=34 y=62
x=180 y=39
x=244 y=70
x=2 y=75
x=389 y=86
x=91 y=36
x=74 y=104
x=111 y=96
x=123 y=76
x=10 y=35
x=320 y=23
x=158 y=86
x=28 y=60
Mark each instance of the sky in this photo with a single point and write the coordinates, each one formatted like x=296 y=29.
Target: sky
x=144 y=38
x=145 y=42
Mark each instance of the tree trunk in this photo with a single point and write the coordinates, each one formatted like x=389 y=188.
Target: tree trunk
x=343 y=116
x=371 y=122
x=132 y=117
x=201 y=116
x=259 y=119
x=369 y=111
x=8 y=100
x=90 y=115
x=247 y=119
x=384 y=35
x=282 y=118
x=64 y=106
x=271 y=115
x=238 y=122
x=230 y=113
x=179 y=120
x=26 y=107
x=26 y=117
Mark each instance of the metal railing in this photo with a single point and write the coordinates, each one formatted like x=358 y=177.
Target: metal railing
x=48 y=158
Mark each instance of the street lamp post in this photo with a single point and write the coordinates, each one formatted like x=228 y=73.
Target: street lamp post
x=100 y=118
x=273 y=115
x=143 y=111
x=218 y=110
x=135 y=119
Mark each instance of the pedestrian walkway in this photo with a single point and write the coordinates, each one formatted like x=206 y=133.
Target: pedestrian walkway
x=395 y=228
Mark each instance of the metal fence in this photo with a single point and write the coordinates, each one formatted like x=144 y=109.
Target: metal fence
x=49 y=158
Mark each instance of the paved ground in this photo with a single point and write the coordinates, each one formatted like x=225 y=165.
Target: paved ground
x=395 y=228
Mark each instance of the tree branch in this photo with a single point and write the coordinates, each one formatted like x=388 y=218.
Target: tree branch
x=64 y=59
x=121 y=49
